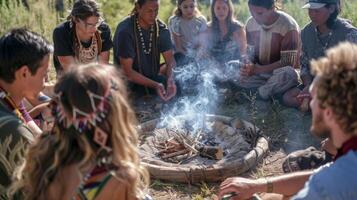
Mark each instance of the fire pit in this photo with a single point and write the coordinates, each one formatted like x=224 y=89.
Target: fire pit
x=224 y=147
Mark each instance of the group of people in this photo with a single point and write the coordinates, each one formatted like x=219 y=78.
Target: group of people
x=270 y=46
x=89 y=150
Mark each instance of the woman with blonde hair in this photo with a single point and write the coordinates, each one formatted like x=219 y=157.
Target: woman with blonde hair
x=91 y=151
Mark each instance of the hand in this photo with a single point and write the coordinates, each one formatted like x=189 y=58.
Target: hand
x=328 y=146
x=243 y=187
x=171 y=89
x=304 y=98
x=160 y=90
x=247 y=70
x=303 y=94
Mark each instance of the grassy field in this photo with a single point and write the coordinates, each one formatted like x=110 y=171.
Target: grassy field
x=42 y=18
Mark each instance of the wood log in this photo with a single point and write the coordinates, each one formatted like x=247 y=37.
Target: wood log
x=212 y=152
x=175 y=154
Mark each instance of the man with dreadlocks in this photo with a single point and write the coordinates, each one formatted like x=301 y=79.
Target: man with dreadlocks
x=138 y=41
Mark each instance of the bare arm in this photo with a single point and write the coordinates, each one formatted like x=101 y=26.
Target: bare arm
x=178 y=43
x=103 y=57
x=170 y=62
x=132 y=75
x=66 y=62
x=287 y=185
x=241 y=39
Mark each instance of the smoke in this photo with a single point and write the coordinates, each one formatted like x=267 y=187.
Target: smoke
x=198 y=82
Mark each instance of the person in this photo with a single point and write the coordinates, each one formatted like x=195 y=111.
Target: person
x=226 y=33
x=24 y=60
x=83 y=38
x=324 y=31
x=185 y=26
x=273 y=43
x=334 y=115
x=91 y=151
x=138 y=42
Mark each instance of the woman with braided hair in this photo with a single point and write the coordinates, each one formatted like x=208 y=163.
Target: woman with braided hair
x=83 y=38
x=91 y=151
x=138 y=42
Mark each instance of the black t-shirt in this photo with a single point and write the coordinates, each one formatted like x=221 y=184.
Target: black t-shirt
x=125 y=47
x=63 y=40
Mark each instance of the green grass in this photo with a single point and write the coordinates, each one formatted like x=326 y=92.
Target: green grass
x=42 y=18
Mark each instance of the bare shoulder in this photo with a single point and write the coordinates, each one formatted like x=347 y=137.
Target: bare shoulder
x=115 y=190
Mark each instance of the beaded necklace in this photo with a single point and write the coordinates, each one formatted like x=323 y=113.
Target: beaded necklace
x=5 y=96
x=146 y=51
x=327 y=41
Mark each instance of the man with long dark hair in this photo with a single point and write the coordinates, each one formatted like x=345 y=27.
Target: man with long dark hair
x=138 y=42
x=324 y=31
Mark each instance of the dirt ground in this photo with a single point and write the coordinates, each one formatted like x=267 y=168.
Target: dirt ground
x=286 y=128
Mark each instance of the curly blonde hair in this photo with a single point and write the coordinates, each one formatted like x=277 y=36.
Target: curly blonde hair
x=66 y=146
x=336 y=84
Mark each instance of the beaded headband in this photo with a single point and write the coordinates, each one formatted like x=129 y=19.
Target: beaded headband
x=82 y=120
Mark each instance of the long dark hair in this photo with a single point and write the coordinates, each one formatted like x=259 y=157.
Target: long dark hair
x=139 y=3
x=83 y=9
x=268 y=4
x=230 y=20
x=333 y=17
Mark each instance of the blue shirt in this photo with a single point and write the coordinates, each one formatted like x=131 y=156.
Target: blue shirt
x=332 y=181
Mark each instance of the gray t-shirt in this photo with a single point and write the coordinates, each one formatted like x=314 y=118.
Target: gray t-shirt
x=314 y=45
x=188 y=30
x=126 y=45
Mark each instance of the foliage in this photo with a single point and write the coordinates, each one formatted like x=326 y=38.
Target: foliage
x=42 y=17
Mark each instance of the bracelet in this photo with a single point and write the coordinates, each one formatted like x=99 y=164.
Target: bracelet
x=270 y=186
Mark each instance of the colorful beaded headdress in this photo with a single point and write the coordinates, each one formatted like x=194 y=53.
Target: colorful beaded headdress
x=80 y=119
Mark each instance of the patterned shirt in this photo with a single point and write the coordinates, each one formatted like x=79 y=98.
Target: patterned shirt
x=269 y=41
x=13 y=139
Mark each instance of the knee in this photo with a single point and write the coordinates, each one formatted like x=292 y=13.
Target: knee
x=291 y=72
